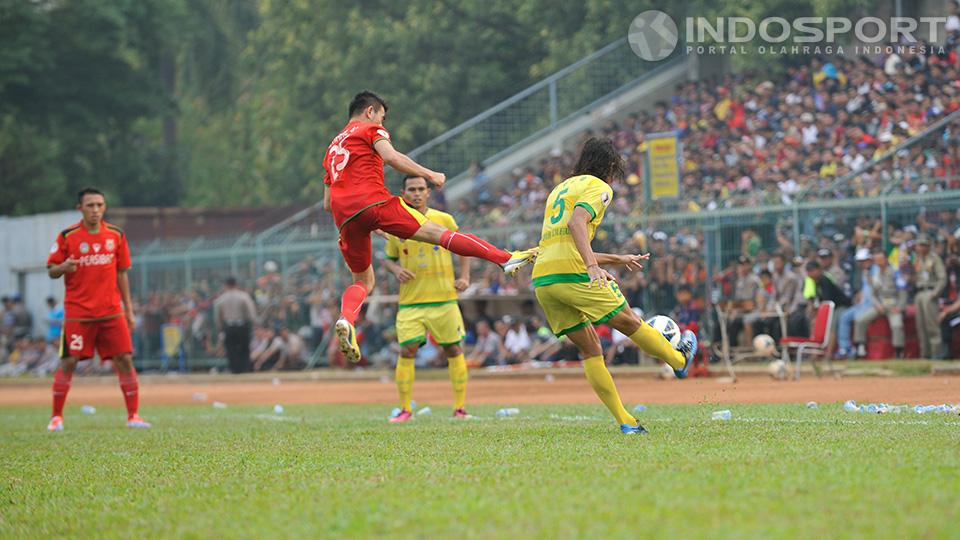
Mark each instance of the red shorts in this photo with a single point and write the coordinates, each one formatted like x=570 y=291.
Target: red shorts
x=393 y=216
x=109 y=338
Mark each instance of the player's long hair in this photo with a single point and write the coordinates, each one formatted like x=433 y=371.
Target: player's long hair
x=600 y=158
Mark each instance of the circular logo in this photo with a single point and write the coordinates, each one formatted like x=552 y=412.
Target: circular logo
x=84 y=247
x=653 y=35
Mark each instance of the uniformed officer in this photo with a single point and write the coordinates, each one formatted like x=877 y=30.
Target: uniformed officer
x=931 y=278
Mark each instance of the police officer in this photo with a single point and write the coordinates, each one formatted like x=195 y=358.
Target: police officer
x=235 y=313
x=931 y=278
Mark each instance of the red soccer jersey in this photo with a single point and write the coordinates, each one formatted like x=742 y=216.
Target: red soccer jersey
x=355 y=170
x=92 y=291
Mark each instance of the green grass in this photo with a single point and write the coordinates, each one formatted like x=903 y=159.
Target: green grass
x=554 y=472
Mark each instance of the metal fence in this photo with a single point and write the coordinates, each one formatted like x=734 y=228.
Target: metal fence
x=707 y=241
x=719 y=238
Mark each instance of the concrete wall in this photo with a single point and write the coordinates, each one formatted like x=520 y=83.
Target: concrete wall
x=25 y=244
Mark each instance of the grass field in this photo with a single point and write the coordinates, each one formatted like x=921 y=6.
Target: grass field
x=552 y=472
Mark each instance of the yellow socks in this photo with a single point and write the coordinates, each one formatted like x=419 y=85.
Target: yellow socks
x=657 y=346
x=602 y=384
x=404 y=376
x=457 y=366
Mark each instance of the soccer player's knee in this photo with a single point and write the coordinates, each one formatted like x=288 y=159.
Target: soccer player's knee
x=453 y=350
x=409 y=351
x=68 y=364
x=368 y=278
x=630 y=322
x=124 y=362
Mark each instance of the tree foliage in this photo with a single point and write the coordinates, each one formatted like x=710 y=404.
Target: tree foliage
x=232 y=102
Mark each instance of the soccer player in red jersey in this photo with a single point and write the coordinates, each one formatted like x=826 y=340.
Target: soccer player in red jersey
x=93 y=257
x=361 y=204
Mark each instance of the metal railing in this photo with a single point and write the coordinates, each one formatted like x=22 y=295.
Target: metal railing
x=539 y=108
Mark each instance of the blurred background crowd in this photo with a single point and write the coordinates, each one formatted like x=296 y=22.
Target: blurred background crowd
x=747 y=141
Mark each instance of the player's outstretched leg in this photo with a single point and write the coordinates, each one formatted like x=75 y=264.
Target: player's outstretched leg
x=588 y=342
x=130 y=386
x=653 y=343
x=468 y=245
x=405 y=374
x=61 y=386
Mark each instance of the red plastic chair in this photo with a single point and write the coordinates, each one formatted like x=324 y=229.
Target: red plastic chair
x=817 y=344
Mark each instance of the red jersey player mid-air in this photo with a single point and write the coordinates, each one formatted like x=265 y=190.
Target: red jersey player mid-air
x=361 y=204
x=93 y=257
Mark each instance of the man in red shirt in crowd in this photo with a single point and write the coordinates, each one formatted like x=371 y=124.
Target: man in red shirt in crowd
x=361 y=204
x=93 y=257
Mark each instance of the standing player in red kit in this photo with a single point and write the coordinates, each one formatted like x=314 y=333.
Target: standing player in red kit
x=361 y=204
x=93 y=257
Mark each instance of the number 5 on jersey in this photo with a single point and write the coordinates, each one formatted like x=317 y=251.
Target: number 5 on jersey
x=559 y=205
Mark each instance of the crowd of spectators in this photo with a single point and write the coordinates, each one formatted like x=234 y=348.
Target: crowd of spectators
x=749 y=140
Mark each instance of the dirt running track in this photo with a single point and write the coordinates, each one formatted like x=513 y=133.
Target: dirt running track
x=507 y=390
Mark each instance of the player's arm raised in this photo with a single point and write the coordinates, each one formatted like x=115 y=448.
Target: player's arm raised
x=632 y=262
x=404 y=164
x=578 y=231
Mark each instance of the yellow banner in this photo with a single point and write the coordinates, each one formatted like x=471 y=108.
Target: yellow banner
x=662 y=153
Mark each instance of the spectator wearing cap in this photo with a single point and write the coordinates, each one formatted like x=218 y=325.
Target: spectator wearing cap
x=831 y=268
x=931 y=276
x=746 y=289
x=888 y=300
x=863 y=301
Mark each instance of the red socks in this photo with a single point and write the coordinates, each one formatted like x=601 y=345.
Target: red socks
x=61 y=385
x=131 y=391
x=469 y=245
x=351 y=301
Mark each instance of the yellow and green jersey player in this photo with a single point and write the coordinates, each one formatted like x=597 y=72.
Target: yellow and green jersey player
x=575 y=291
x=428 y=301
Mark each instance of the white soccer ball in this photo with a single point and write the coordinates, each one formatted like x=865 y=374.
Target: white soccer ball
x=765 y=345
x=778 y=370
x=666 y=372
x=667 y=328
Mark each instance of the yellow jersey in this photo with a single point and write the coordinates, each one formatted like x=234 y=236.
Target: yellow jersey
x=559 y=261
x=432 y=265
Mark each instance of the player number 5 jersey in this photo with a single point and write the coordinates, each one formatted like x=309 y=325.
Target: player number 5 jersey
x=559 y=261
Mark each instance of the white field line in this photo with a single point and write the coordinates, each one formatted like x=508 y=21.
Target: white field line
x=829 y=421
x=278 y=418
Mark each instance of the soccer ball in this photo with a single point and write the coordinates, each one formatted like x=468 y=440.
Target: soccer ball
x=764 y=345
x=667 y=372
x=667 y=328
x=779 y=370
